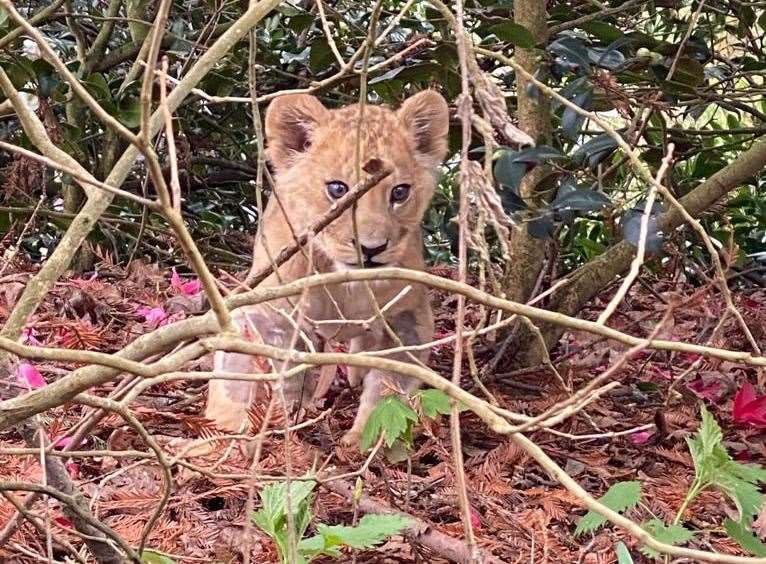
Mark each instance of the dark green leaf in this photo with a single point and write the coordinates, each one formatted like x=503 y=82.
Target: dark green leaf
x=541 y=227
x=581 y=200
x=514 y=33
x=595 y=150
x=603 y=31
x=572 y=53
x=572 y=121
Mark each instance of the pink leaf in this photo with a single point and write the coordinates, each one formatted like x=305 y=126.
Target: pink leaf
x=748 y=408
x=154 y=315
x=63 y=442
x=29 y=375
x=641 y=437
x=190 y=288
x=475 y=519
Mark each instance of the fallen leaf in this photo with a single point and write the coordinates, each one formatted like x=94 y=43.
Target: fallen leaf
x=30 y=376
x=153 y=315
x=748 y=408
x=190 y=288
x=641 y=437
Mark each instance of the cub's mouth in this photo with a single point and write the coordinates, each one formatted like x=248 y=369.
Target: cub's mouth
x=366 y=264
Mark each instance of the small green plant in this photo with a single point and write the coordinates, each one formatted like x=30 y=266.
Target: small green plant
x=713 y=468
x=394 y=418
x=272 y=519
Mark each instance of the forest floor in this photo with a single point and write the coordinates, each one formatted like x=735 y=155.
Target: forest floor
x=520 y=514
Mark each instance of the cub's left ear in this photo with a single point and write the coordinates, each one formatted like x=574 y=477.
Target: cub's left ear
x=426 y=115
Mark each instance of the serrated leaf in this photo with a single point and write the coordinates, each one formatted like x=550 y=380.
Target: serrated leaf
x=623 y=554
x=514 y=33
x=434 y=403
x=392 y=418
x=273 y=512
x=371 y=531
x=668 y=534
x=620 y=497
x=746 y=539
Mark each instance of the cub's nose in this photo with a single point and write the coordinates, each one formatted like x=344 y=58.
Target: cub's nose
x=370 y=252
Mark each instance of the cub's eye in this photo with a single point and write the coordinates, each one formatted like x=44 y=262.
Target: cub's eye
x=400 y=193
x=336 y=189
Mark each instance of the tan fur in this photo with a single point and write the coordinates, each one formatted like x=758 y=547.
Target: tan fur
x=309 y=146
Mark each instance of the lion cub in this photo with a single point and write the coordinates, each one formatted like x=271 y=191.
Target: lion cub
x=312 y=150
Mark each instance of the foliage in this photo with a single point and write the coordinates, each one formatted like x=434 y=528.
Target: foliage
x=272 y=519
x=620 y=497
x=714 y=468
x=393 y=419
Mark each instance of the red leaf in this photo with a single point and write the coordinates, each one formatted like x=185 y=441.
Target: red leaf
x=748 y=408
x=475 y=519
x=30 y=376
x=711 y=390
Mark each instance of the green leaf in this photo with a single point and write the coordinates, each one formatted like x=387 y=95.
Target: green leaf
x=434 y=403
x=129 y=113
x=623 y=554
x=746 y=539
x=668 y=534
x=603 y=31
x=514 y=33
x=392 y=418
x=581 y=200
x=511 y=166
x=620 y=497
x=571 y=120
x=571 y=52
x=273 y=512
x=371 y=530
x=152 y=557
x=595 y=150
x=689 y=72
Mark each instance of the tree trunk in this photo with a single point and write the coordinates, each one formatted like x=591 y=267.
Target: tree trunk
x=527 y=254
x=590 y=278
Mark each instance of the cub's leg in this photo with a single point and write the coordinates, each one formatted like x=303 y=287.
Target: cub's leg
x=413 y=327
x=356 y=374
x=229 y=400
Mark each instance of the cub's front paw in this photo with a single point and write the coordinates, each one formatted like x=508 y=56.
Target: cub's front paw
x=352 y=438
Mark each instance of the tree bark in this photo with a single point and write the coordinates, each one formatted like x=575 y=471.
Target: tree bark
x=589 y=279
x=527 y=254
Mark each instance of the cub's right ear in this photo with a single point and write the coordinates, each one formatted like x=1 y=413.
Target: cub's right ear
x=290 y=123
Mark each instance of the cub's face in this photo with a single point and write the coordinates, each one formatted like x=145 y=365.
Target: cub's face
x=314 y=153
